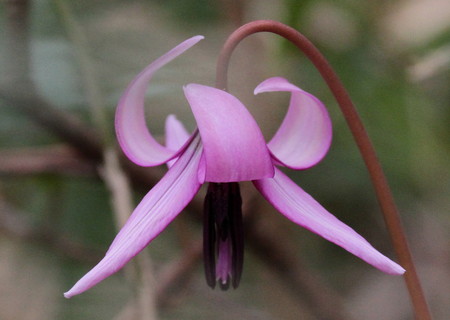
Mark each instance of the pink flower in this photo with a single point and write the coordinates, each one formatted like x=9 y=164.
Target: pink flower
x=227 y=147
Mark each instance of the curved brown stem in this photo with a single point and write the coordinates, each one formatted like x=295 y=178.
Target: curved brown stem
x=382 y=190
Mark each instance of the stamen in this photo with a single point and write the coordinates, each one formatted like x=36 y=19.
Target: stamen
x=223 y=240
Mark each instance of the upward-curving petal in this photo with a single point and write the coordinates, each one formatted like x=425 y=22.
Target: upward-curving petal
x=304 y=137
x=176 y=133
x=158 y=208
x=234 y=147
x=301 y=208
x=131 y=129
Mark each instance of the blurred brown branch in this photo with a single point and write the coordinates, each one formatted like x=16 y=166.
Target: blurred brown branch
x=139 y=271
x=175 y=276
x=58 y=159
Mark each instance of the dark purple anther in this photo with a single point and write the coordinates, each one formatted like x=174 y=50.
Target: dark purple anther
x=223 y=240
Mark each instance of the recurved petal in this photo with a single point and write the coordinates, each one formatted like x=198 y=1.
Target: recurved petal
x=301 y=208
x=158 y=208
x=131 y=129
x=176 y=136
x=234 y=147
x=304 y=136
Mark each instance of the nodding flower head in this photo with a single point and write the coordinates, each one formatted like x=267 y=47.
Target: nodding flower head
x=228 y=147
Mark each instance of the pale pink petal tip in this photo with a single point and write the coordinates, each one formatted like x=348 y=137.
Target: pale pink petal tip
x=275 y=84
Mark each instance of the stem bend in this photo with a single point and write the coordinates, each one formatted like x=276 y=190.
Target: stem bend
x=378 y=179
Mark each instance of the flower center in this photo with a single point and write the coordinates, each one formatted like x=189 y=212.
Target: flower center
x=223 y=238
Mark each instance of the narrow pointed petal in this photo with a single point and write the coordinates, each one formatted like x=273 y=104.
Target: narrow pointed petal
x=176 y=136
x=158 y=208
x=176 y=133
x=301 y=208
x=131 y=129
x=234 y=147
x=304 y=137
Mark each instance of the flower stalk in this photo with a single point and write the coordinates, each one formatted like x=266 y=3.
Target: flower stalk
x=384 y=195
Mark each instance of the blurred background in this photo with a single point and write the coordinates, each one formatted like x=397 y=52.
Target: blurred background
x=65 y=187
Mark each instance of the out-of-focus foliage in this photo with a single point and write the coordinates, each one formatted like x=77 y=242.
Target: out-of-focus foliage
x=394 y=59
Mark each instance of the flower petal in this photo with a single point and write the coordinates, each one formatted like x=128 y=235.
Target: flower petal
x=131 y=129
x=304 y=137
x=158 y=208
x=234 y=147
x=301 y=208
x=176 y=133
x=176 y=136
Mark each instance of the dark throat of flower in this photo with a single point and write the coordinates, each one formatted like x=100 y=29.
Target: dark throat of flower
x=223 y=238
